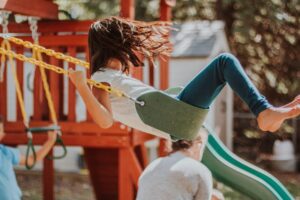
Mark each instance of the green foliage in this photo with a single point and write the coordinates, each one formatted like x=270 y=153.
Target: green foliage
x=263 y=34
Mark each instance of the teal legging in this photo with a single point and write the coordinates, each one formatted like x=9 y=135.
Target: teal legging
x=206 y=86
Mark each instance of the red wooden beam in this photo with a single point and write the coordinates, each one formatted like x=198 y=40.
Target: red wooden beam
x=39 y=8
x=125 y=183
x=103 y=168
x=71 y=89
x=48 y=178
x=135 y=169
x=127 y=9
x=70 y=127
x=165 y=15
x=52 y=26
x=72 y=140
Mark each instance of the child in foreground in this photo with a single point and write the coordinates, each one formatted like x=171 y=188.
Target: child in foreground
x=113 y=46
x=179 y=175
x=9 y=157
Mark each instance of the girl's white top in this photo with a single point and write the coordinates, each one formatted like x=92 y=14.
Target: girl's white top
x=123 y=109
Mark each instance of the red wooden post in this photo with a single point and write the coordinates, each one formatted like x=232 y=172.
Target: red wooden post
x=165 y=15
x=125 y=183
x=135 y=166
x=71 y=89
x=141 y=153
x=88 y=116
x=39 y=8
x=127 y=9
x=48 y=178
x=151 y=73
x=103 y=167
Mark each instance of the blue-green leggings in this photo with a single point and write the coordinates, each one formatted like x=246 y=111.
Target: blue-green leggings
x=206 y=86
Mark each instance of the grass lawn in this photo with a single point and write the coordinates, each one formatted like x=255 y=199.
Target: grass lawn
x=72 y=186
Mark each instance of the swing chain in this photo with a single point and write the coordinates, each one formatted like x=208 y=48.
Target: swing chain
x=33 y=27
x=49 y=52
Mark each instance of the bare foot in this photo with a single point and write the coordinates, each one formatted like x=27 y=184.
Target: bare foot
x=272 y=118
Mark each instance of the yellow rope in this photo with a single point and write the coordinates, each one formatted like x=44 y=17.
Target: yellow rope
x=58 y=70
x=49 y=52
x=37 y=55
x=6 y=45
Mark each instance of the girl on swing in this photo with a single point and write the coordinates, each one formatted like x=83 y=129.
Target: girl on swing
x=113 y=44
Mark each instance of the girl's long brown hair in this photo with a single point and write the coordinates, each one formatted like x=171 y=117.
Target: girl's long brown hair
x=122 y=39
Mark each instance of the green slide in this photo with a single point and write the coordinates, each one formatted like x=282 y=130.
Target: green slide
x=240 y=175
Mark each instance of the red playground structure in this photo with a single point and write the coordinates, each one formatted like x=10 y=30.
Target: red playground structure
x=115 y=157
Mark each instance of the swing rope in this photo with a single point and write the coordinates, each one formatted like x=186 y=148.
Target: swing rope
x=38 y=56
x=6 y=46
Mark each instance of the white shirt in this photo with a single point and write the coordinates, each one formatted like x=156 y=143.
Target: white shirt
x=175 y=177
x=123 y=109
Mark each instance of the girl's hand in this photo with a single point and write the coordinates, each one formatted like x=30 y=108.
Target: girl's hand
x=77 y=77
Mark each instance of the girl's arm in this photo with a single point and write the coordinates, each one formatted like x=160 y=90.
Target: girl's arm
x=99 y=105
x=43 y=151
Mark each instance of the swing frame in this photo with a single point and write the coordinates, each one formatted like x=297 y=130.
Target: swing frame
x=5 y=45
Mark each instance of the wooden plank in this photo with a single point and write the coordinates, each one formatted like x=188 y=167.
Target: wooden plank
x=51 y=41
x=103 y=168
x=142 y=155
x=164 y=74
x=52 y=26
x=88 y=72
x=71 y=127
x=48 y=178
x=125 y=183
x=166 y=10
x=165 y=15
x=71 y=89
x=20 y=75
x=72 y=140
x=135 y=166
x=38 y=8
x=151 y=73
x=137 y=72
x=127 y=9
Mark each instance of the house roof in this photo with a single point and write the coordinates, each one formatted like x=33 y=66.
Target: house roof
x=195 y=38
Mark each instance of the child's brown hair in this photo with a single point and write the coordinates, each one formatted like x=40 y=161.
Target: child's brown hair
x=119 y=38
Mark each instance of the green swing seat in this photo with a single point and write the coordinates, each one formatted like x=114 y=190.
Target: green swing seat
x=170 y=115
